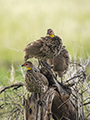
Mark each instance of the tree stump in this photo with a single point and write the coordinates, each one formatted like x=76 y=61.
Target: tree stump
x=52 y=104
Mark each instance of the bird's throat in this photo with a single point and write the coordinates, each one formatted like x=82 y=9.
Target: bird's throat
x=28 y=68
x=51 y=35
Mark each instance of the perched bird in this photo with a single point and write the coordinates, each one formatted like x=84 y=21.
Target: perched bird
x=34 y=80
x=60 y=63
x=44 y=48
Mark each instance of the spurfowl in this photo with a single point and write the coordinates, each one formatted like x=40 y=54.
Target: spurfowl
x=60 y=62
x=44 y=48
x=34 y=80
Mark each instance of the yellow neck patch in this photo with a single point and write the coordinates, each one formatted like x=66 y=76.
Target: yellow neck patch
x=51 y=35
x=28 y=68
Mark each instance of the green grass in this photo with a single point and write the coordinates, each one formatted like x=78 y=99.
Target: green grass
x=4 y=75
x=9 y=76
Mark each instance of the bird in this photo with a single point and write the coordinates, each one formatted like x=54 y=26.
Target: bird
x=35 y=81
x=60 y=63
x=44 y=48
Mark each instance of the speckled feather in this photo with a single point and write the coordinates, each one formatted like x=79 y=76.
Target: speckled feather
x=35 y=82
x=60 y=62
x=44 y=48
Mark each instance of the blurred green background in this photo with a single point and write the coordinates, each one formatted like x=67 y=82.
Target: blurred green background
x=24 y=21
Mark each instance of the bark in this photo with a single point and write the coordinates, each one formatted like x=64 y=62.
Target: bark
x=52 y=104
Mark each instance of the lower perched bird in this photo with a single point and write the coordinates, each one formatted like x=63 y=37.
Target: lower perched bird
x=44 y=48
x=60 y=63
x=34 y=80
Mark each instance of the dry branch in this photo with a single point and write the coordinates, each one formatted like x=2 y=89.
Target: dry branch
x=16 y=86
x=60 y=102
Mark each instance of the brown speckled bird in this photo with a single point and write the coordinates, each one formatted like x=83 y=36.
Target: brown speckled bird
x=44 y=48
x=34 y=80
x=60 y=62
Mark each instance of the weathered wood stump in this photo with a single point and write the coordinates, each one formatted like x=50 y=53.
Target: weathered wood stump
x=52 y=104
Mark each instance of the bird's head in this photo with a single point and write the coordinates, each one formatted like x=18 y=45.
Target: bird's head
x=50 y=33
x=27 y=64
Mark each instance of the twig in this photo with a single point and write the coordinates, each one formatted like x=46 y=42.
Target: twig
x=73 y=104
x=64 y=117
x=17 y=85
x=86 y=99
x=63 y=103
x=86 y=117
x=72 y=78
x=1 y=106
x=77 y=64
x=85 y=103
x=83 y=91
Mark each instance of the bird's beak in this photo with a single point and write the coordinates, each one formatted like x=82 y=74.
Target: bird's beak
x=22 y=65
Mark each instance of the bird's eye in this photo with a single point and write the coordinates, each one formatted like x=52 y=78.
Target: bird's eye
x=25 y=64
x=50 y=31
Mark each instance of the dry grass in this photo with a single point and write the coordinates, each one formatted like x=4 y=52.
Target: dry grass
x=11 y=99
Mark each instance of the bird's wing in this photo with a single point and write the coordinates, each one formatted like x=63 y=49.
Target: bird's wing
x=33 y=49
x=42 y=78
x=44 y=48
x=34 y=46
x=58 y=63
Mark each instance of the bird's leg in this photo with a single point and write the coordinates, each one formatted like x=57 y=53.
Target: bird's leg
x=61 y=81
